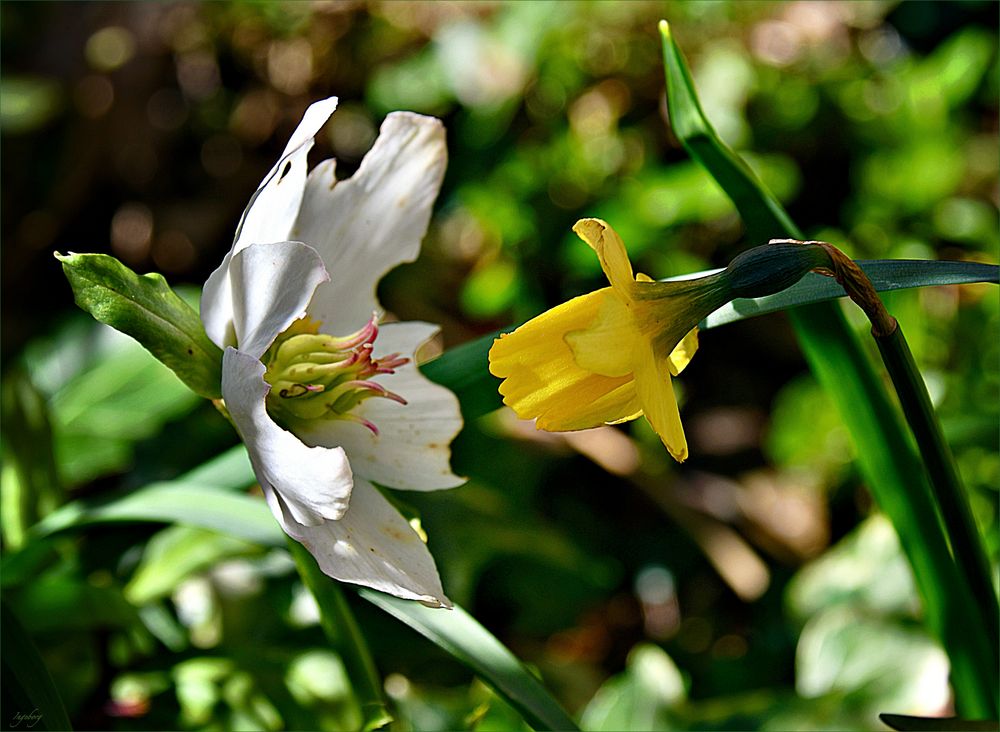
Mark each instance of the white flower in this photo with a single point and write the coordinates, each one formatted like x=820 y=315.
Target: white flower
x=352 y=406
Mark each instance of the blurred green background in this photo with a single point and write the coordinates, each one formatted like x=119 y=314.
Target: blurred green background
x=755 y=586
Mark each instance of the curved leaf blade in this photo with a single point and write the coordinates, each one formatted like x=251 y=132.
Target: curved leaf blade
x=886 y=275
x=189 y=504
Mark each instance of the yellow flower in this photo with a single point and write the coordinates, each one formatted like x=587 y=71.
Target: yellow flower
x=607 y=357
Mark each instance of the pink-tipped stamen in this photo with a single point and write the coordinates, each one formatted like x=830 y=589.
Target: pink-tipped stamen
x=362 y=421
x=388 y=364
x=379 y=390
x=367 y=334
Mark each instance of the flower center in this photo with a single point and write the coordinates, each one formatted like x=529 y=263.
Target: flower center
x=317 y=376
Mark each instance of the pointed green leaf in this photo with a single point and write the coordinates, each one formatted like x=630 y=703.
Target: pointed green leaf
x=145 y=308
x=239 y=515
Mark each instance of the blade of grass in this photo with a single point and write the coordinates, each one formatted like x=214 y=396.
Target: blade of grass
x=886 y=455
x=463 y=637
x=190 y=504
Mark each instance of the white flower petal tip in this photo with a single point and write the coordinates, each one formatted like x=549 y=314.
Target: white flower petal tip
x=371 y=545
x=315 y=116
x=268 y=218
x=438 y=604
x=376 y=219
x=314 y=483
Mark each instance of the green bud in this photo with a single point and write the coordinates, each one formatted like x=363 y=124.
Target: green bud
x=773 y=267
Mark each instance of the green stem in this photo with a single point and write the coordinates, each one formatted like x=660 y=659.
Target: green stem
x=903 y=494
x=966 y=541
x=342 y=630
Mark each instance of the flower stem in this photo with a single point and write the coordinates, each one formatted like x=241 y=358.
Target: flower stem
x=343 y=632
x=967 y=550
x=963 y=534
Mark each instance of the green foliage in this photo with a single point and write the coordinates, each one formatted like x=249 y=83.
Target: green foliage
x=342 y=631
x=28 y=690
x=148 y=310
x=642 y=697
x=27 y=103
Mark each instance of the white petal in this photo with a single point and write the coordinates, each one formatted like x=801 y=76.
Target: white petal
x=313 y=482
x=372 y=545
x=272 y=285
x=268 y=217
x=412 y=450
x=366 y=225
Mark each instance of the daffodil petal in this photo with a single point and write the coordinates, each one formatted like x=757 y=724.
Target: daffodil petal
x=629 y=417
x=412 y=449
x=656 y=393
x=608 y=344
x=314 y=482
x=272 y=285
x=371 y=222
x=542 y=379
x=588 y=403
x=683 y=352
x=610 y=250
x=371 y=545
x=268 y=217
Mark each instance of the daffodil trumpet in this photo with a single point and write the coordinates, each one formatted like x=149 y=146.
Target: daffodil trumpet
x=608 y=356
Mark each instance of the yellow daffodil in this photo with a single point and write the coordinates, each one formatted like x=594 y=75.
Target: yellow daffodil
x=608 y=356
